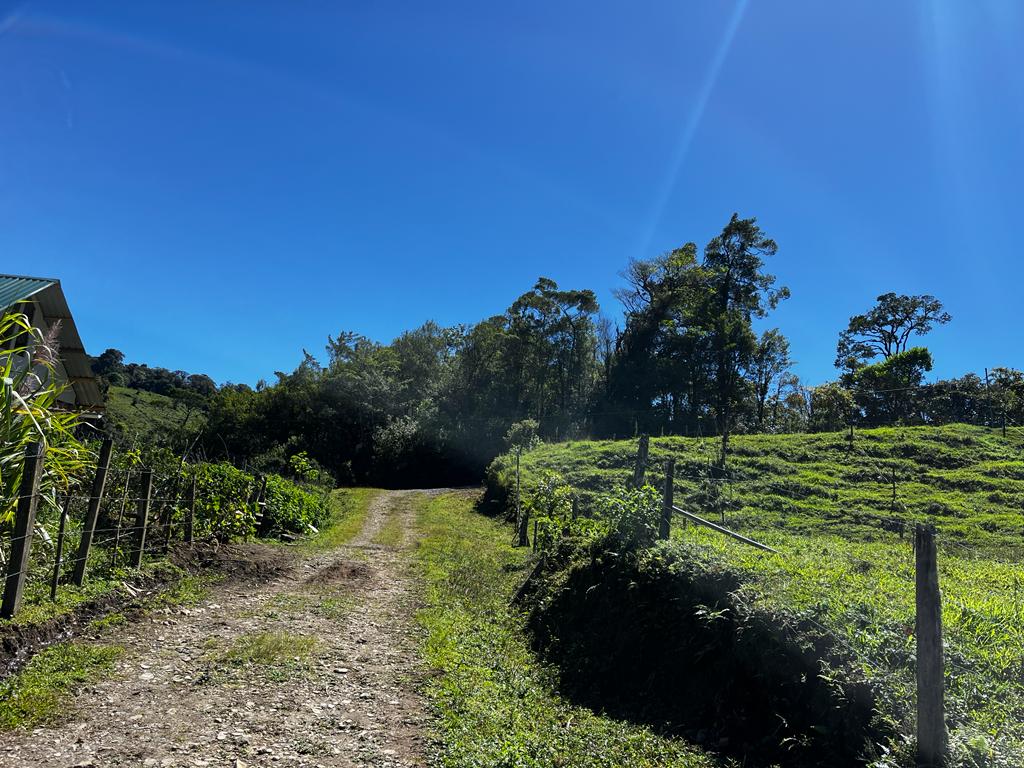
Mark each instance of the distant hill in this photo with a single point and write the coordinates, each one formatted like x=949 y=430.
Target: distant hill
x=151 y=418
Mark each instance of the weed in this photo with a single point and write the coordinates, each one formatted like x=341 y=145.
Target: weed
x=37 y=694
x=270 y=649
x=496 y=703
x=349 y=507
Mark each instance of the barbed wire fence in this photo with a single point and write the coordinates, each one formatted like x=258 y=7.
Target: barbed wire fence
x=130 y=513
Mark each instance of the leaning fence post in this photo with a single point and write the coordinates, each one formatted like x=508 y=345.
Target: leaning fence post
x=931 y=722
x=24 y=523
x=141 y=516
x=59 y=559
x=665 y=524
x=640 y=468
x=190 y=517
x=99 y=482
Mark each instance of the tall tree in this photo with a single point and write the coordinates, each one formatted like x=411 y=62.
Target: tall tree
x=886 y=329
x=738 y=290
x=658 y=370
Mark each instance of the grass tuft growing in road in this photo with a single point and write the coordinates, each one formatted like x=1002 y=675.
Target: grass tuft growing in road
x=496 y=703
x=38 y=693
x=348 y=514
x=270 y=648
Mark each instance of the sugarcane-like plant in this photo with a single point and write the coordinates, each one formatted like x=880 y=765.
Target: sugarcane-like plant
x=30 y=412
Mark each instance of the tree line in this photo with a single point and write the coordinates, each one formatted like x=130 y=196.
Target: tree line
x=685 y=358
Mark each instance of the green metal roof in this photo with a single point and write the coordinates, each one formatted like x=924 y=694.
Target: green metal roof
x=15 y=288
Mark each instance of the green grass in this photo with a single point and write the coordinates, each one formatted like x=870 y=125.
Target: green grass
x=819 y=502
x=101 y=582
x=863 y=593
x=348 y=515
x=37 y=608
x=964 y=479
x=270 y=649
x=189 y=590
x=38 y=694
x=277 y=656
x=149 y=417
x=115 y=619
x=392 y=532
x=495 y=702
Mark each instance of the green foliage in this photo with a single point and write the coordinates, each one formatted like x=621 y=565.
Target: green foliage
x=30 y=413
x=496 y=704
x=222 y=508
x=885 y=390
x=290 y=508
x=522 y=436
x=832 y=408
x=828 y=507
x=152 y=419
x=37 y=694
x=886 y=328
x=633 y=515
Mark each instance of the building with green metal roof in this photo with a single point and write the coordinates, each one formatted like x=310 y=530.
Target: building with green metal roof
x=42 y=300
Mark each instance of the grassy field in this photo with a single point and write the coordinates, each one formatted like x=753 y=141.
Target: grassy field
x=496 y=703
x=820 y=503
x=967 y=480
x=150 y=417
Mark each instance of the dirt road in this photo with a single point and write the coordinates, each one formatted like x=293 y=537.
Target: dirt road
x=316 y=667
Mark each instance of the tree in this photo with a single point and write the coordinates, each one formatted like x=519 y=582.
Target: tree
x=831 y=408
x=111 y=361
x=768 y=369
x=887 y=328
x=737 y=290
x=657 y=374
x=887 y=391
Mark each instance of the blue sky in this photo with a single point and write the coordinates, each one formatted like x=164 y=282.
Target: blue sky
x=221 y=184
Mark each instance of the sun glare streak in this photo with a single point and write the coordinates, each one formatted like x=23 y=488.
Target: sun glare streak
x=948 y=100
x=682 y=146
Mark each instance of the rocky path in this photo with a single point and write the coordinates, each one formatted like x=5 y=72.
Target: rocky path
x=317 y=667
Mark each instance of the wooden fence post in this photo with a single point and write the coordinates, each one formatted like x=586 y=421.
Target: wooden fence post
x=99 y=483
x=640 y=468
x=931 y=722
x=665 y=525
x=24 y=524
x=524 y=533
x=519 y=500
x=190 y=517
x=534 y=534
x=59 y=558
x=141 y=517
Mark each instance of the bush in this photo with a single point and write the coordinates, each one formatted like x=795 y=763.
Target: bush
x=290 y=508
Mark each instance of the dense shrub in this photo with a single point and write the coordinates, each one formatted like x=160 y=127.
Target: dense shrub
x=291 y=508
